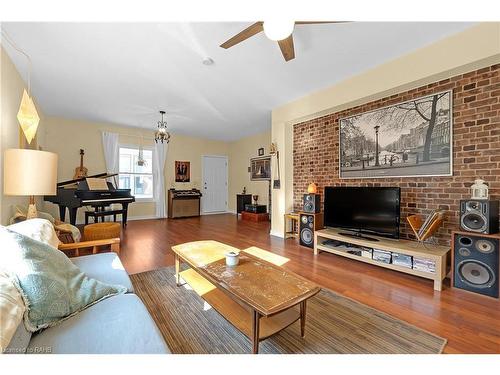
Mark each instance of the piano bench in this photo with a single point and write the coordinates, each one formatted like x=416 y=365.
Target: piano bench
x=97 y=214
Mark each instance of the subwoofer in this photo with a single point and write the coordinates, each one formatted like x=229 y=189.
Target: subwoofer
x=312 y=203
x=476 y=263
x=308 y=223
x=479 y=216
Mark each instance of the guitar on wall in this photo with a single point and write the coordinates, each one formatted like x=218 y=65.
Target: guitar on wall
x=81 y=171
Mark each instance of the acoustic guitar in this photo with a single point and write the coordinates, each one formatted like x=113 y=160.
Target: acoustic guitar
x=81 y=171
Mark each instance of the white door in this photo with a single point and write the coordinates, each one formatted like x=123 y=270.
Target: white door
x=214 y=184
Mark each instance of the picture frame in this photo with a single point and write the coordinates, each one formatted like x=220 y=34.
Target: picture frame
x=182 y=171
x=260 y=169
x=261 y=151
x=412 y=138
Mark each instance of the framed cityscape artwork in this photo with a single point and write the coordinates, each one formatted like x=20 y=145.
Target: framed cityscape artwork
x=408 y=139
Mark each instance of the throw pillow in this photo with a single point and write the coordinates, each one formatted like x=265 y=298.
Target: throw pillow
x=53 y=287
x=11 y=309
x=39 y=229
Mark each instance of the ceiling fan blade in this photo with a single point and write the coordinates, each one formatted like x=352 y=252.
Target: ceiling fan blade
x=286 y=46
x=250 y=31
x=318 y=22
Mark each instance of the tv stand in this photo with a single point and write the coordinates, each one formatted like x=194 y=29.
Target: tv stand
x=359 y=235
x=434 y=253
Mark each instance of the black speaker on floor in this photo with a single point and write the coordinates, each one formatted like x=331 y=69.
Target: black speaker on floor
x=308 y=223
x=312 y=203
x=479 y=216
x=476 y=263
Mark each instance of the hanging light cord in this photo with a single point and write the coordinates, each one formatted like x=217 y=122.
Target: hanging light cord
x=14 y=45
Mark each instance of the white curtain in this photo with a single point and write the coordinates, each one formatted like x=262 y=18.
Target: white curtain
x=159 y=157
x=111 y=151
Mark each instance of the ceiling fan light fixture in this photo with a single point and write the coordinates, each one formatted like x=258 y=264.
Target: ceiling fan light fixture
x=278 y=29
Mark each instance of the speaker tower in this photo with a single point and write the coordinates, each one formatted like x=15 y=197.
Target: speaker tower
x=308 y=223
x=475 y=261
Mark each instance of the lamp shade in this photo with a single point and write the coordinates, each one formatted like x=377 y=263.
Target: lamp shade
x=29 y=172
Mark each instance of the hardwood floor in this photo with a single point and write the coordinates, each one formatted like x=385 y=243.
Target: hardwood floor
x=470 y=322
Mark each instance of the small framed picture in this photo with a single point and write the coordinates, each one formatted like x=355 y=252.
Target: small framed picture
x=261 y=151
x=182 y=171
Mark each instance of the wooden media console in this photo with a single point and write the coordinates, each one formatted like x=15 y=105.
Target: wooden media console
x=435 y=253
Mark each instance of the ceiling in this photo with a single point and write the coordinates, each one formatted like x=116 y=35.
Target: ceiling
x=123 y=73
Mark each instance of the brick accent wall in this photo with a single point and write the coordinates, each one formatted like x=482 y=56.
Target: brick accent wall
x=476 y=150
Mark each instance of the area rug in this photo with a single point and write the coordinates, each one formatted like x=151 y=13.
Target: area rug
x=334 y=324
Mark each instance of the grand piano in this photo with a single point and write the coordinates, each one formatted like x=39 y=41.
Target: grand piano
x=74 y=194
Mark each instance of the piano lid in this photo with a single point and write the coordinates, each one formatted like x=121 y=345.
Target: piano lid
x=74 y=182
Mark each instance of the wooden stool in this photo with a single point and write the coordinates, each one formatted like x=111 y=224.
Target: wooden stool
x=101 y=231
x=293 y=230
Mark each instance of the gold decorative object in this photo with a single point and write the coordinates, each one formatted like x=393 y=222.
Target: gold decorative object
x=273 y=149
x=28 y=117
x=312 y=188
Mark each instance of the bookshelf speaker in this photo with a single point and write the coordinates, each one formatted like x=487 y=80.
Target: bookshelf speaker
x=312 y=203
x=479 y=216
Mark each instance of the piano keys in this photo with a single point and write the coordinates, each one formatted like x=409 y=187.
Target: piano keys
x=74 y=194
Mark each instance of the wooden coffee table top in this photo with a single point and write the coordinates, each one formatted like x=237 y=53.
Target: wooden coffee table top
x=264 y=286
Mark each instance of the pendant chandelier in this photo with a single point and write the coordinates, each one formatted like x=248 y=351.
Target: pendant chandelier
x=162 y=134
x=141 y=162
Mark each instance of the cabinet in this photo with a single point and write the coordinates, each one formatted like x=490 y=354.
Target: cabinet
x=241 y=201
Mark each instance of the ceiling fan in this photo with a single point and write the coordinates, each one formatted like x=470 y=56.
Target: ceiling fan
x=278 y=30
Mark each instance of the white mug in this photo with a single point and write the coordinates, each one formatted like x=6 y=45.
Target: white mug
x=232 y=258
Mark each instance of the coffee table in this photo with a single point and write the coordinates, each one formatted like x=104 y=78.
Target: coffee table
x=257 y=297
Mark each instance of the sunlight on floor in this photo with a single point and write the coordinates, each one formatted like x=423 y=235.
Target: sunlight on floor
x=267 y=256
x=206 y=306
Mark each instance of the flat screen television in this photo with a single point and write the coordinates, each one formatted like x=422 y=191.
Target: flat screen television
x=369 y=210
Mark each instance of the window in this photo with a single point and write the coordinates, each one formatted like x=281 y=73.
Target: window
x=139 y=179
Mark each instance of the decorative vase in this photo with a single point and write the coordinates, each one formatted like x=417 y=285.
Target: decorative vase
x=255 y=198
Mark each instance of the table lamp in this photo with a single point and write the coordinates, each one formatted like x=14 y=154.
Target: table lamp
x=29 y=173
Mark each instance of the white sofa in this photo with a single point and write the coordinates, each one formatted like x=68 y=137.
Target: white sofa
x=117 y=325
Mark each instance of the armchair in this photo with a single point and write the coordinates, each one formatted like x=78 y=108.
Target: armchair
x=95 y=244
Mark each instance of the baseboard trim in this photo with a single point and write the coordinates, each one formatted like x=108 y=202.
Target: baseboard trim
x=145 y=217
x=217 y=213
x=277 y=234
